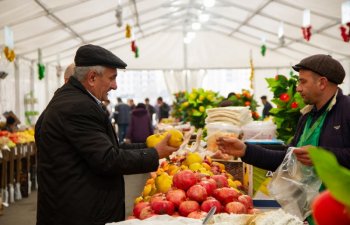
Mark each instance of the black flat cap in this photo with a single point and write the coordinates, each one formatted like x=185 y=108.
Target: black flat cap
x=323 y=65
x=93 y=55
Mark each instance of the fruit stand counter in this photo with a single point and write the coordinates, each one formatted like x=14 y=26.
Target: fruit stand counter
x=17 y=171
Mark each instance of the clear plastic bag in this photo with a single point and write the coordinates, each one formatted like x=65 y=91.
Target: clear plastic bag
x=294 y=186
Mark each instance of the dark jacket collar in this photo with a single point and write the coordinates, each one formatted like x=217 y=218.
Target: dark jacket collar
x=75 y=83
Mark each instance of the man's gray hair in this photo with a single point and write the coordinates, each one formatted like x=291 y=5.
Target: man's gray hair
x=80 y=72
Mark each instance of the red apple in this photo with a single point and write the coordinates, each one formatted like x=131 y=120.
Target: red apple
x=163 y=207
x=226 y=195
x=157 y=197
x=184 y=179
x=146 y=212
x=235 y=207
x=187 y=207
x=176 y=196
x=138 y=207
x=197 y=193
x=246 y=200
x=209 y=185
x=253 y=211
x=221 y=180
x=209 y=203
x=197 y=215
x=327 y=210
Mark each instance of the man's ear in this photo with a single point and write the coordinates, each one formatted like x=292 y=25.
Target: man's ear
x=91 y=77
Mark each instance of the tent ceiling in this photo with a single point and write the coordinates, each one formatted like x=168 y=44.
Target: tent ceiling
x=235 y=29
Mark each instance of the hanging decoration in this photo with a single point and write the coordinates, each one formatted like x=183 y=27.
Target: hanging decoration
x=119 y=15
x=345 y=27
x=9 y=45
x=128 y=31
x=134 y=47
x=306 y=28
x=41 y=66
x=263 y=47
x=251 y=78
x=281 y=34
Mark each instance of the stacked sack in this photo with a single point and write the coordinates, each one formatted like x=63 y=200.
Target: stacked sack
x=225 y=122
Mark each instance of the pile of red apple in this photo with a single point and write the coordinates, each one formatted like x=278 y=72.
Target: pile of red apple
x=193 y=195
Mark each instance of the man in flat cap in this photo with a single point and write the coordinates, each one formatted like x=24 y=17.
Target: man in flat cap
x=324 y=121
x=80 y=162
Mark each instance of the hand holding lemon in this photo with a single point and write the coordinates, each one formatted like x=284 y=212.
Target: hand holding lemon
x=165 y=143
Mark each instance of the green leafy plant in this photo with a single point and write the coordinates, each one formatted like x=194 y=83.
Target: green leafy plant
x=191 y=107
x=288 y=102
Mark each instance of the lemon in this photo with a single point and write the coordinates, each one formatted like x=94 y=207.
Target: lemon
x=153 y=140
x=163 y=183
x=147 y=190
x=193 y=158
x=176 y=138
x=195 y=166
x=201 y=108
x=138 y=199
x=231 y=183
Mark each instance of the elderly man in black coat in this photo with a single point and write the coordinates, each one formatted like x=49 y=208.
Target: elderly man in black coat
x=80 y=162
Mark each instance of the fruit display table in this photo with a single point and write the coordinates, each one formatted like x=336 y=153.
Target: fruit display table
x=17 y=171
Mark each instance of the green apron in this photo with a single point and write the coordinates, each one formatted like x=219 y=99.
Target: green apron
x=311 y=136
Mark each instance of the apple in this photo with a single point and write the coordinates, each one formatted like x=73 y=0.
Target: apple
x=221 y=180
x=235 y=208
x=176 y=196
x=226 y=195
x=327 y=210
x=138 y=207
x=246 y=200
x=209 y=203
x=163 y=207
x=197 y=215
x=184 y=179
x=197 y=193
x=187 y=207
x=209 y=185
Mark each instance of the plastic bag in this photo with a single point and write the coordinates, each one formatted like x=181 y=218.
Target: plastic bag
x=294 y=186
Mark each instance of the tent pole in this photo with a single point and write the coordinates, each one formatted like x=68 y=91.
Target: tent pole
x=17 y=89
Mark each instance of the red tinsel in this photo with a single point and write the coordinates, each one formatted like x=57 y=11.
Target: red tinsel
x=344 y=35
x=306 y=32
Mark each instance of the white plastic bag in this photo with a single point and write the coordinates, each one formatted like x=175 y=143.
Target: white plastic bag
x=294 y=186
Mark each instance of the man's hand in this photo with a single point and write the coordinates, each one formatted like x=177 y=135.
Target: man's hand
x=164 y=149
x=302 y=155
x=231 y=146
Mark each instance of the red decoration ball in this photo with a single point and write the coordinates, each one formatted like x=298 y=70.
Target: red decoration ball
x=284 y=97
x=294 y=105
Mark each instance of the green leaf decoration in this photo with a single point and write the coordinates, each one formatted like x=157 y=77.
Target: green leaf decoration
x=334 y=176
x=41 y=71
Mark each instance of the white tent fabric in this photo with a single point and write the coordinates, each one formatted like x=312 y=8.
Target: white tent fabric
x=232 y=35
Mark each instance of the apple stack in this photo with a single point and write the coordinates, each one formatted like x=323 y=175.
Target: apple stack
x=189 y=186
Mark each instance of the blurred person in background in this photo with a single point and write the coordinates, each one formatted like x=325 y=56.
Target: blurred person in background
x=122 y=118
x=267 y=106
x=150 y=109
x=163 y=109
x=140 y=125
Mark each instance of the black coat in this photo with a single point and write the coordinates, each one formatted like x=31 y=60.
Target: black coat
x=80 y=164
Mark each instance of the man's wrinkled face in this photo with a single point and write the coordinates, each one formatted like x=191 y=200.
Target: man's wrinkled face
x=104 y=83
x=309 y=86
